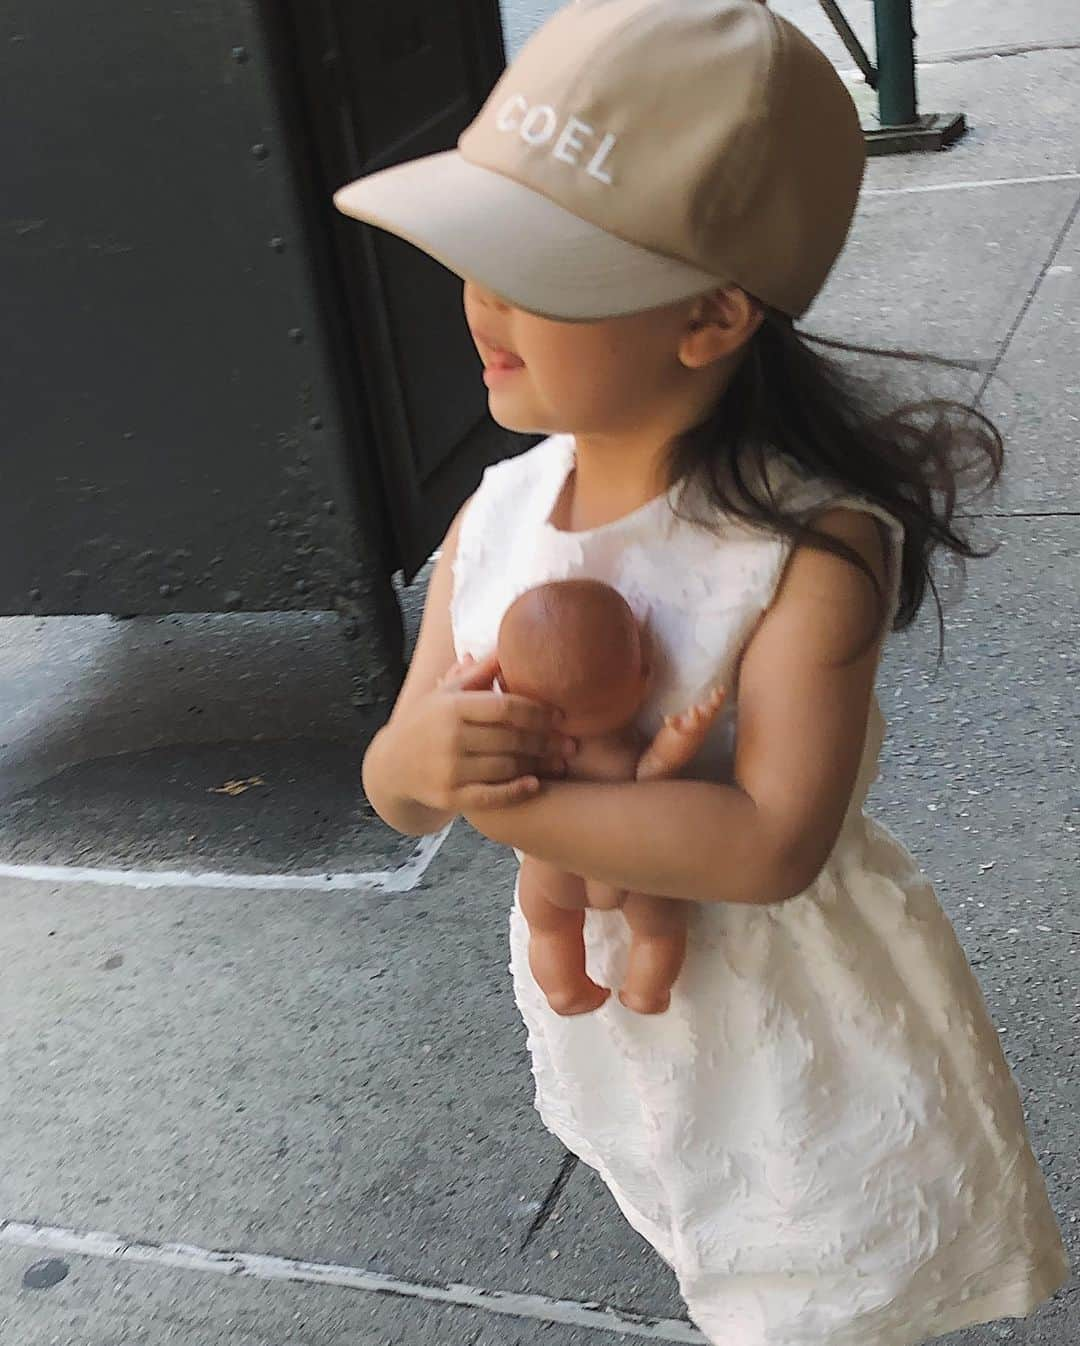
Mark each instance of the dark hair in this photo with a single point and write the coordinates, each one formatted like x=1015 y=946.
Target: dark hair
x=917 y=460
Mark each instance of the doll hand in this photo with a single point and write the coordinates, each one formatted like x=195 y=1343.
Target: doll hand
x=675 y=746
x=698 y=717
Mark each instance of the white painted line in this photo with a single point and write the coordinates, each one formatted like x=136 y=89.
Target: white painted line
x=401 y=880
x=924 y=188
x=261 y=1267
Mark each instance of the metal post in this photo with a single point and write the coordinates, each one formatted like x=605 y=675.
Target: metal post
x=898 y=128
x=896 y=62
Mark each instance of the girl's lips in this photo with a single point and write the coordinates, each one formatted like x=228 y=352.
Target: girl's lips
x=499 y=363
x=495 y=356
x=498 y=373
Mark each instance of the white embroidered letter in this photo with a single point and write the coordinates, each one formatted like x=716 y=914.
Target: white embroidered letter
x=539 y=125
x=504 y=118
x=568 y=146
x=596 y=164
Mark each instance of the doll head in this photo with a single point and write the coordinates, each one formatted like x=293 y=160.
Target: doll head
x=576 y=644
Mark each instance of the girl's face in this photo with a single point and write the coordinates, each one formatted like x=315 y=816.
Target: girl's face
x=597 y=378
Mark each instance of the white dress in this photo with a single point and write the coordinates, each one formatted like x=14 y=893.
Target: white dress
x=821 y=1136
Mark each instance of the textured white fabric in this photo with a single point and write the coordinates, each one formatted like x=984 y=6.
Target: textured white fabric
x=822 y=1136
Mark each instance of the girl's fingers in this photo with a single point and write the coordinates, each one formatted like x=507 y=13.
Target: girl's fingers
x=452 y=674
x=487 y=739
x=551 y=767
x=469 y=675
x=497 y=769
x=498 y=796
x=517 y=711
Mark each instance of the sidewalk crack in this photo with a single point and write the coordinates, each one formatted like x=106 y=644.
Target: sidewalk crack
x=547 y=1206
x=989 y=53
x=1003 y=349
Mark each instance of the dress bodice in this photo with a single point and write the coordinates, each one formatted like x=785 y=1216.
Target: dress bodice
x=702 y=590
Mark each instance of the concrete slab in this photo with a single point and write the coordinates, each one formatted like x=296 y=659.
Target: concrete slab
x=298 y=810
x=341 y=1078
x=1023 y=121
x=104 y=1303
x=76 y=688
x=587 y=1242
x=933 y=274
x=1037 y=398
x=978 y=768
x=119 y=736
x=945 y=27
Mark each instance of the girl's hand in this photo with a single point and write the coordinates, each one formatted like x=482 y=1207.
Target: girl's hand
x=465 y=746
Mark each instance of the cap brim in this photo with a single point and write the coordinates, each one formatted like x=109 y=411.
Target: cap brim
x=489 y=229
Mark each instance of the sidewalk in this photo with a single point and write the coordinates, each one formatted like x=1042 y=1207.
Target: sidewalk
x=292 y=1066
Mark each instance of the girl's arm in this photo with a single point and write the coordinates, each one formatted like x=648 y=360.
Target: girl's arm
x=803 y=703
x=433 y=655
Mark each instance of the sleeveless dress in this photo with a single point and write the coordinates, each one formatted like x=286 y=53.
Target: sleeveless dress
x=821 y=1136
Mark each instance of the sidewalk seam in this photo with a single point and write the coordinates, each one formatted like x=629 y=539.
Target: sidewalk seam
x=1014 y=327
x=965 y=56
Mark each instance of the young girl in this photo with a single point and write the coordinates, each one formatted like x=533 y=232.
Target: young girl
x=821 y=1135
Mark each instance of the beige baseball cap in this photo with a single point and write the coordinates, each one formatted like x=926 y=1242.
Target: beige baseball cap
x=638 y=153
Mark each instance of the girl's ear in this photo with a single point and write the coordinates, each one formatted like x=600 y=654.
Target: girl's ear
x=718 y=325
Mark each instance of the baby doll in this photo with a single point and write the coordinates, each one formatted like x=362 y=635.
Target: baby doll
x=576 y=645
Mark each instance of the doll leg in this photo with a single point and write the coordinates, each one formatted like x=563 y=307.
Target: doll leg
x=553 y=904
x=657 y=950
x=602 y=896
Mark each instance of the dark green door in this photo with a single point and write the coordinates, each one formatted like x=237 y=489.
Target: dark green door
x=384 y=81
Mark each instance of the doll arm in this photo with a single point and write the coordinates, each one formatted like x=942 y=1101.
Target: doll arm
x=673 y=748
x=679 y=739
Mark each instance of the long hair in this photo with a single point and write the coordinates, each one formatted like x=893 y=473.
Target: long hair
x=918 y=461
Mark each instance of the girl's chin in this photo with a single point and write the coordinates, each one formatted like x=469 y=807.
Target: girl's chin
x=504 y=413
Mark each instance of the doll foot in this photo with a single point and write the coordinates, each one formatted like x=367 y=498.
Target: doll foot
x=643 y=1003
x=581 y=1000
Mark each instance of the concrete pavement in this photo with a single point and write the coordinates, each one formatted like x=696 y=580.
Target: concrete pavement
x=328 y=1073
